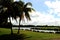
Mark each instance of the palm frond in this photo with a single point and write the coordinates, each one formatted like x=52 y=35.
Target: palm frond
x=27 y=16
x=21 y=3
x=27 y=4
x=32 y=9
x=21 y=16
x=29 y=9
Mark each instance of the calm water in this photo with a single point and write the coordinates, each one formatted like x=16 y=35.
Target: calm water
x=29 y=28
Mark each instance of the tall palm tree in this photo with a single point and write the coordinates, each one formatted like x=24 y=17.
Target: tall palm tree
x=7 y=4
x=17 y=6
x=20 y=8
x=13 y=10
x=26 y=10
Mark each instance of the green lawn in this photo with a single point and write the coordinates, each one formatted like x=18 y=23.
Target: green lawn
x=40 y=36
x=33 y=35
x=6 y=31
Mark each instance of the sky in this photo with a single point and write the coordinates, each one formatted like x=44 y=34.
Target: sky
x=47 y=12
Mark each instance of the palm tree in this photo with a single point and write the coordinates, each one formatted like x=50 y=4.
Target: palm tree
x=26 y=10
x=7 y=4
x=13 y=10
x=20 y=8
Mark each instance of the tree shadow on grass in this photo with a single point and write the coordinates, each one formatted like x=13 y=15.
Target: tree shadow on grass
x=12 y=37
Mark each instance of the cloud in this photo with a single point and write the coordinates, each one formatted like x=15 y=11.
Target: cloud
x=38 y=18
x=54 y=7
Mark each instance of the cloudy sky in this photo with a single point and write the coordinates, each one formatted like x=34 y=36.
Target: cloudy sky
x=47 y=13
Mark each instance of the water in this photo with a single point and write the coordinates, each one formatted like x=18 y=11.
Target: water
x=29 y=28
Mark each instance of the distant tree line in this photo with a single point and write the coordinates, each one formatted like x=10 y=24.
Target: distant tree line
x=34 y=26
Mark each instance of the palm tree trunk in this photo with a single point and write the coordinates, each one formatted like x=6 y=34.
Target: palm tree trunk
x=11 y=30
x=19 y=28
x=11 y=26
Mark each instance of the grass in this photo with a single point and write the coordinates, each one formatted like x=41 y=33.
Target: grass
x=4 y=31
x=33 y=35
x=40 y=36
x=5 y=34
